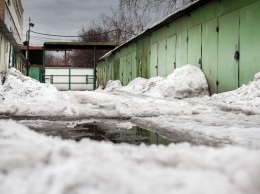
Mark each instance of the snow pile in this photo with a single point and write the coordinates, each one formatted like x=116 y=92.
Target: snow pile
x=90 y=167
x=113 y=85
x=185 y=82
x=257 y=77
x=247 y=96
x=144 y=86
x=17 y=87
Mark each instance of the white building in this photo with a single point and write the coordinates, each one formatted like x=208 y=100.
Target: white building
x=11 y=29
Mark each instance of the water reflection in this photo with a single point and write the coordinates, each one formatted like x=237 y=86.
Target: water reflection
x=135 y=135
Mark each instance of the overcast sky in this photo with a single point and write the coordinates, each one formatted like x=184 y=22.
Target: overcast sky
x=62 y=17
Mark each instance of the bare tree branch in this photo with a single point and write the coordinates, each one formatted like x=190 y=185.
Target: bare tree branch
x=160 y=7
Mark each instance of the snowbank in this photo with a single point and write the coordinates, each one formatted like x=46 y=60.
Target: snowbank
x=245 y=98
x=17 y=87
x=185 y=82
x=41 y=164
x=113 y=85
x=228 y=116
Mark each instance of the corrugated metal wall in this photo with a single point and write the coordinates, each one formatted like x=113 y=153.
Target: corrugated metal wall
x=208 y=38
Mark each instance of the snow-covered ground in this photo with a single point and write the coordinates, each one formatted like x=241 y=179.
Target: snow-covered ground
x=33 y=163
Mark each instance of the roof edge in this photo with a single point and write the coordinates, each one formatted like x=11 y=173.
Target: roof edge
x=185 y=11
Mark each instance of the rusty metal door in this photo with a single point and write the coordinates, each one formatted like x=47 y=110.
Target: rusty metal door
x=209 y=53
x=227 y=52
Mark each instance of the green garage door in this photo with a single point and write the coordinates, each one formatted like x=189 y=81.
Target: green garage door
x=228 y=45
x=171 y=57
x=194 y=46
x=209 y=53
x=162 y=58
x=249 y=42
x=153 y=60
x=181 y=49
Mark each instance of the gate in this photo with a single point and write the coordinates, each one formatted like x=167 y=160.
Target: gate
x=70 y=78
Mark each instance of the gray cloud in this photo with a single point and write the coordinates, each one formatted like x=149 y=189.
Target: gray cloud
x=65 y=17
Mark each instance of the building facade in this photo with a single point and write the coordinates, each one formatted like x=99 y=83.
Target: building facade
x=11 y=35
x=220 y=37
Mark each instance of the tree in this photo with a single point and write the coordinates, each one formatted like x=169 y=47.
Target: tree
x=123 y=23
x=85 y=58
x=54 y=59
x=161 y=7
x=118 y=27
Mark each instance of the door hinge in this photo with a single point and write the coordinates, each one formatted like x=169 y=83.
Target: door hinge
x=187 y=39
x=217 y=82
x=217 y=29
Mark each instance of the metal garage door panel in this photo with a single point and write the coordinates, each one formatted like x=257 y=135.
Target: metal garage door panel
x=181 y=49
x=194 y=46
x=249 y=42
x=162 y=58
x=116 y=69
x=209 y=53
x=171 y=52
x=228 y=45
x=126 y=71
x=144 y=66
x=121 y=70
x=133 y=65
x=153 y=61
x=111 y=67
x=129 y=67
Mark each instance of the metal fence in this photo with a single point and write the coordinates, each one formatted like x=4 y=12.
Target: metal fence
x=70 y=78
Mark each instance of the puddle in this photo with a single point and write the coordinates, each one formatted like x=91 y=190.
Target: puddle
x=117 y=131
x=99 y=131
x=135 y=135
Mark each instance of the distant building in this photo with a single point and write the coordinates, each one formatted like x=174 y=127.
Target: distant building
x=11 y=30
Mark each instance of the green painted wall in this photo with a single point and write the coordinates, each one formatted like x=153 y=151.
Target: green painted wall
x=228 y=44
x=34 y=72
x=210 y=53
x=249 y=42
x=194 y=46
x=171 y=54
x=208 y=38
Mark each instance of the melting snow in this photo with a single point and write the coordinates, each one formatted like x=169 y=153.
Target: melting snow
x=33 y=163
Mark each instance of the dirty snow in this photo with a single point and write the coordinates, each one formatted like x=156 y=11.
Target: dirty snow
x=172 y=105
x=186 y=82
x=41 y=165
